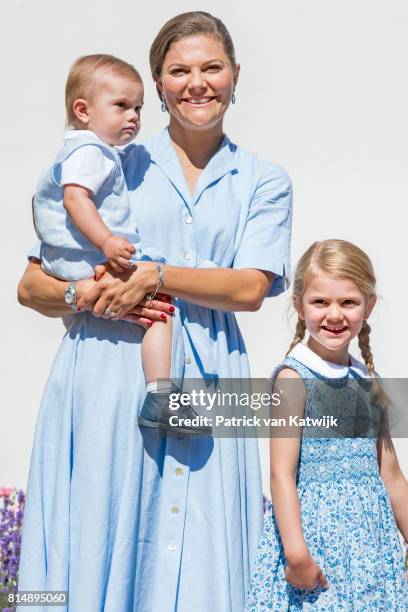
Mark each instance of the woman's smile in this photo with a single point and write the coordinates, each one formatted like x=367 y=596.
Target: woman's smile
x=204 y=101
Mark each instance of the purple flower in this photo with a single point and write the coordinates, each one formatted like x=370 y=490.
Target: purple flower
x=11 y=520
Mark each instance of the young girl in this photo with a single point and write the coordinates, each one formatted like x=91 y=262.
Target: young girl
x=82 y=213
x=331 y=540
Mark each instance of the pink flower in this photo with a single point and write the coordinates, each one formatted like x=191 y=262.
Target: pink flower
x=5 y=491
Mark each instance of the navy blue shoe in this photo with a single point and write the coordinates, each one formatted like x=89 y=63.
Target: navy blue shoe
x=156 y=414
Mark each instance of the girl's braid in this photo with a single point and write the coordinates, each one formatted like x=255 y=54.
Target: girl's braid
x=364 y=344
x=299 y=334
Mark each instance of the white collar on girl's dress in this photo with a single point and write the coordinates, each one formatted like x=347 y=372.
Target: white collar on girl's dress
x=310 y=359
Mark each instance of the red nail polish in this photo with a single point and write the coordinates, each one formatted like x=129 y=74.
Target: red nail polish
x=171 y=309
x=163 y=316
x=150 y=323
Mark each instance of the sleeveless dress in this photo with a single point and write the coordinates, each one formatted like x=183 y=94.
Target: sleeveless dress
x=347 y=518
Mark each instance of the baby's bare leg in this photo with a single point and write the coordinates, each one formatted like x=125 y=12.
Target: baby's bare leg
x=156 y=350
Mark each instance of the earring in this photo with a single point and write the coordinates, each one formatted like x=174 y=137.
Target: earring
x=233 y=98
x=164 y=107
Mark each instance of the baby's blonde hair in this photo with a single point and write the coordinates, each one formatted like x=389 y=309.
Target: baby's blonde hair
x=84 y=75
x=340 y=259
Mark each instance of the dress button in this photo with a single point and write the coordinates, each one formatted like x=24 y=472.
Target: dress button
x=172 y=547
x=187 y=256
x=174 y=509
x=179 y=471
x=189 y=220
x=187 y=360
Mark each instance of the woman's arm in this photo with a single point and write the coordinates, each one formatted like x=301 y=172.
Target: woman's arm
x=218 y=288
x=301 y=570
x=41 y=292
x=45 y=294
x=395 y=483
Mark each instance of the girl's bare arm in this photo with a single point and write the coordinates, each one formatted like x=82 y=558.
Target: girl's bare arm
x=301 y=570
x=395 y=483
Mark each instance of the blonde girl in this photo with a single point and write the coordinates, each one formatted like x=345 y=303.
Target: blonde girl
x=331 y=541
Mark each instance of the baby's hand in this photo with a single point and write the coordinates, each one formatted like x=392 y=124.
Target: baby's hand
x=305 y=574
x=118 y=251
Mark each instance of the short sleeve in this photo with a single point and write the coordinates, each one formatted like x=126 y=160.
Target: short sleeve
x=265 y=242
x=35 y=251
x=87 y=166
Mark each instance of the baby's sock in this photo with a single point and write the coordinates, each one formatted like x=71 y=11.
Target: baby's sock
x=162 y=386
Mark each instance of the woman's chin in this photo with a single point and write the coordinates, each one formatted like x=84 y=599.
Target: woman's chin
x=199 y=119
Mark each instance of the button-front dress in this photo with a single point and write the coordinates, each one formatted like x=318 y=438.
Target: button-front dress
x=123 y=519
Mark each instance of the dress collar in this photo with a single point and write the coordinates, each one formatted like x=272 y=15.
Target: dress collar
x=163 y=154
x=311 y=360
x=71 y=133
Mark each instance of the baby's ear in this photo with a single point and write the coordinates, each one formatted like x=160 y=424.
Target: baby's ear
x=81 y=110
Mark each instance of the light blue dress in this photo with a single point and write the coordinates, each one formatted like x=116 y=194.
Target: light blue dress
x=347 y=518
x=129 y=522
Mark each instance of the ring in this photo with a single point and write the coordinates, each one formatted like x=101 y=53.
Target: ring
x=110 y=313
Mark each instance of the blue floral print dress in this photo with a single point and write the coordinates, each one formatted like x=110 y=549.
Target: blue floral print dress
x=347 y=519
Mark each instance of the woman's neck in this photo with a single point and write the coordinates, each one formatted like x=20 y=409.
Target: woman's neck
x=197 y=146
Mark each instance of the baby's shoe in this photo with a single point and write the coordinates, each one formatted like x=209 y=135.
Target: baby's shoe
x=156 y=413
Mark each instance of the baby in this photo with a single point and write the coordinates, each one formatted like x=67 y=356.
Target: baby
x=82 y=213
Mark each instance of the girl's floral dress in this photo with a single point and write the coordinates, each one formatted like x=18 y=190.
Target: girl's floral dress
x=347 y=519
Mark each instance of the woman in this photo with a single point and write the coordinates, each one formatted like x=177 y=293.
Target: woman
x=127 y=522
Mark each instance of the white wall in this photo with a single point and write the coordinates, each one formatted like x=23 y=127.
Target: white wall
x=323 y=92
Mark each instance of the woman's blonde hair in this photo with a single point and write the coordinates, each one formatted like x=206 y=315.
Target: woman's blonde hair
x=85 y=74
x=340 y=259
x=188 y=24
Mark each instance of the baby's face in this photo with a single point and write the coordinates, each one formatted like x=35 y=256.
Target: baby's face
x=114 y=113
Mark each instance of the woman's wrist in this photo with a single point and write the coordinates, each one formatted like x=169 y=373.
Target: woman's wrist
x=159 y=284
x=149 y=276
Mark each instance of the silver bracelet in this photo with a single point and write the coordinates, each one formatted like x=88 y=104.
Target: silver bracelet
x=160 y=283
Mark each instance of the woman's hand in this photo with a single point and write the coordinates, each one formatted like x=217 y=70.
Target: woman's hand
x=97 y=296
x=146 y=313
x=121 y=292
x=304 y=573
